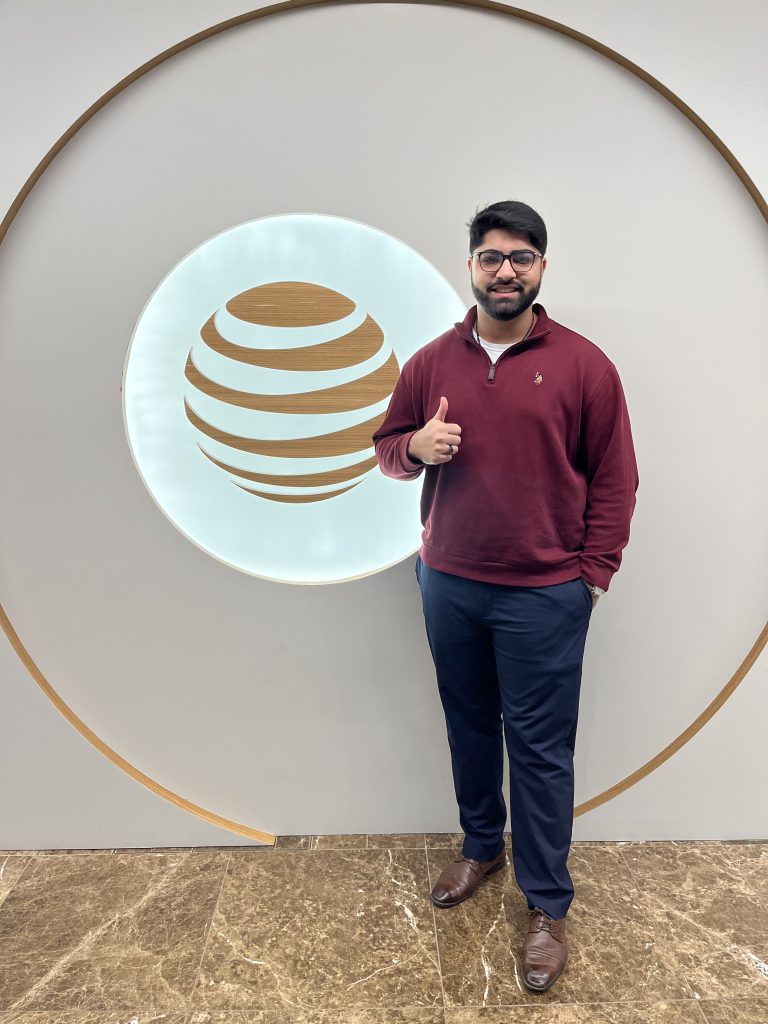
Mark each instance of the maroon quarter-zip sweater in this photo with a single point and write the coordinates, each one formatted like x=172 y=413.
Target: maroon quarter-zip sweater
x=542 y=488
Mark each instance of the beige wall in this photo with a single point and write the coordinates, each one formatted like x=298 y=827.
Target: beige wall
x=124 y=615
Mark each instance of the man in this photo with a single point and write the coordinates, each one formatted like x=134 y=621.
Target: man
x=529 y=488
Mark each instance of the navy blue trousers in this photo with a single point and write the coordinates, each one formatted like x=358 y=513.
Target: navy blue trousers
x=508 y=663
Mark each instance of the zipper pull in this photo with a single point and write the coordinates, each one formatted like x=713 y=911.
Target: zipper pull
x=491 y=373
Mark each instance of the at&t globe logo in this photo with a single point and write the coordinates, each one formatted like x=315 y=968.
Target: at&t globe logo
x=255 y=378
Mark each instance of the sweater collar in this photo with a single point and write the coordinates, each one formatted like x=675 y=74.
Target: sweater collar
x=465 y=328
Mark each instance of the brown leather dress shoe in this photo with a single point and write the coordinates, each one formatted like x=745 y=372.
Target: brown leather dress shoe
x=459 y=880
x=545 y=951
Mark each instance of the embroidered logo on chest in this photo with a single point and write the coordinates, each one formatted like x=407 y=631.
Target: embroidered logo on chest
x=538 y=377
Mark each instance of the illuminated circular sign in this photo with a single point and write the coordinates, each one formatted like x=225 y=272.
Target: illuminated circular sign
x=256 y=376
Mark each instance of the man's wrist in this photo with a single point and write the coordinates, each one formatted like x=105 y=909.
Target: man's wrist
x=410 y=455
x=414 y=458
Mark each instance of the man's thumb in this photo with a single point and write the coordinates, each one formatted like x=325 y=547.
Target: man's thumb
x=442 y=410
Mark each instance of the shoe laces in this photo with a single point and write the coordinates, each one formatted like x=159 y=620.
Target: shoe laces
x=545 y=923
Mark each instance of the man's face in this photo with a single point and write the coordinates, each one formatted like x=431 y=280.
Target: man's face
x=505 y=293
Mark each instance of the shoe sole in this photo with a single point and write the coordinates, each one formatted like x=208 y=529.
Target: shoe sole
x=455 y=903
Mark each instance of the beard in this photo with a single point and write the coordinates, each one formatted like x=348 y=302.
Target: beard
x=506 y=306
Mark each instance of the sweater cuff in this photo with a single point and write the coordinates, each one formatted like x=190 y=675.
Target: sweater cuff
x=596 y=575
x=408 y=464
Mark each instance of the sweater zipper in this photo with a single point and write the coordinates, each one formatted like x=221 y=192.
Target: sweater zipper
x=492 y=367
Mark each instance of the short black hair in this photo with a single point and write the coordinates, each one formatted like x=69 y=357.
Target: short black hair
x=508 y=215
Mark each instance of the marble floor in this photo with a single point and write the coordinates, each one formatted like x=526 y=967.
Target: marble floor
x=341 y=930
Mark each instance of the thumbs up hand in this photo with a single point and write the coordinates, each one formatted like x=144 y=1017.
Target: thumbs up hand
x=437 y=441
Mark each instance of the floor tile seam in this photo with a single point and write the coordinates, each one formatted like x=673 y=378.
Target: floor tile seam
x=47 y=854
x=198 y=971
x=129 y=1009
x=598 y=844
x=450 y=1007
x=188 y=1009
x=67 y=958
x=421 y=845
x=354 y=848
x=221 y=849
x=278 y=848
x=399 y=849
x=120 y=851
x=422 y=947
x=633 y=1001
x=434 y=926
x=536 y=1001
x=753 y=997
x=304 y=1008
x=348 y=851
x=105 y=851
x=367 y=846
x=568 y=1004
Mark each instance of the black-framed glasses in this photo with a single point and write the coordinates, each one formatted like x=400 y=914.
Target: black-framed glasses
x=491 y=260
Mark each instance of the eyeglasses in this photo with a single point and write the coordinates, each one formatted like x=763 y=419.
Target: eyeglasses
x=521 y=260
